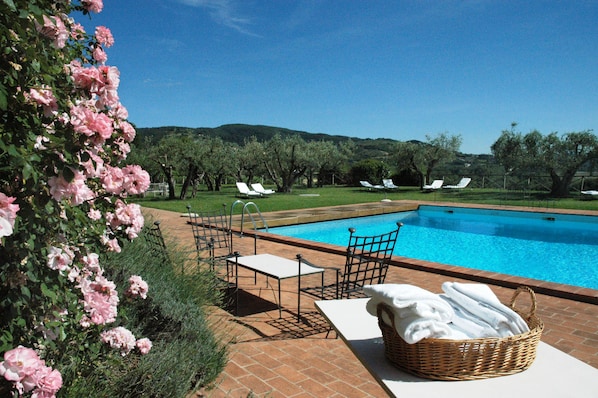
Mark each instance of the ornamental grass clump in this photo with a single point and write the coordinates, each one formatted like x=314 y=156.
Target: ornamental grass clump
x=185 y=355
x=64 y=189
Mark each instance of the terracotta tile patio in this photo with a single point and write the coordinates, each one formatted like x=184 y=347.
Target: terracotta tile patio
x=272 y=357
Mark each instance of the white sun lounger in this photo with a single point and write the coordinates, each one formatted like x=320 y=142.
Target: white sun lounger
x=257 y=187
x=462 y=184
x=436 y=184
x=389 y=184
x=369 y=186
x=554 y=374
x=246 y=192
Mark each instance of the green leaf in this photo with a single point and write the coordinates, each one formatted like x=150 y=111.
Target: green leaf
x=28 y=171
x=3 y=98
x=67 y=174
x=10 y=5
x=48 y=292
x=25 y=291
x=34 y=9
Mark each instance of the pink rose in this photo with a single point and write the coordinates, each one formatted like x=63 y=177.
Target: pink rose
x=92 y=264
x=104 y=36
x=87 y=78
x=53 y=28
x=47 y=381
x=5 y=228
x=94 y=214
x=111 y=244
x=77 y=31
x=28 y=372
x=137 y=287
x=119 y=338
x=91 y=123
x=123 y=148
x=144 y=345
x=8 y=214
x=60 y=259
x=19 y=363
x=39 y=142
x=94 y=166
x=76 y=191
x=79 y=191
x=93 y=5
x=112 y=179
x=59 y=187
x=128 y=131
x=129 y=215
x=136 y=180
x=100 y=300
x=99 y=55
x=110 y=76
x=44 y=96
x=119 y=112
x=109 y=91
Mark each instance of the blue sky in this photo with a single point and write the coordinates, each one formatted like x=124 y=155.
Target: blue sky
x=370 y=69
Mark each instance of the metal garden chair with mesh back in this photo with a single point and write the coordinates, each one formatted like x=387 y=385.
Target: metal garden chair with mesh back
x=212 y=235
x=366 y=263
x=155 y=239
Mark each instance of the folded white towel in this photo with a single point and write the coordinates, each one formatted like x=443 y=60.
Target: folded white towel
x=469 y=324
x=414 y=329
x=456 y=333
x=408 y=301
x=480 y=301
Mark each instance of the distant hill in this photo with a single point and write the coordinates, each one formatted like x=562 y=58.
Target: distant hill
x=238 y=133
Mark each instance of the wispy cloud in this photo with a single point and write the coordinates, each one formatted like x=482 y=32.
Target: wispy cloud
x=170 y=45
x=162 y=83
x=224 y=13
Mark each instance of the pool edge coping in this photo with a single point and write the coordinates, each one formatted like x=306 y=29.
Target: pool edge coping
x=301 y=216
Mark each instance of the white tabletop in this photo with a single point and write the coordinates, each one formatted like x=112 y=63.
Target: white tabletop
x=553 y=374
x=275 y=266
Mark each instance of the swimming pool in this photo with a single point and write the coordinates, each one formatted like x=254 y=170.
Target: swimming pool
x=545 y=246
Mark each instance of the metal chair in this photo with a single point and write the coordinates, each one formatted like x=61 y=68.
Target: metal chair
x=366 y=263
x=155 y=239
x=212 y=236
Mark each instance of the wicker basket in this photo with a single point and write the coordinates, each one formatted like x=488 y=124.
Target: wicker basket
x=443 y=359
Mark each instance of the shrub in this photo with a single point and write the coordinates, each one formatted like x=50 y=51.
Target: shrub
x=63 y=137
x=185 y=354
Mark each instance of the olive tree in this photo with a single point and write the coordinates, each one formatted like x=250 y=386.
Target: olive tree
x=174 y=155
x=286 y=160
x=216 y=161
x=423 y=158
x=368 y=170
x=559 y=156
x=250 y=161
x=326 y=158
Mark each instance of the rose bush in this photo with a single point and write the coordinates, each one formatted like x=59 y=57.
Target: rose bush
x=63 y=136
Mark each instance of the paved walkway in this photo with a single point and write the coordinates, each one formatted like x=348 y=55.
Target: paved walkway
x=272 y=357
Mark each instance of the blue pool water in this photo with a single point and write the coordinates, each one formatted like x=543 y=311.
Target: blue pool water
x=550 y=247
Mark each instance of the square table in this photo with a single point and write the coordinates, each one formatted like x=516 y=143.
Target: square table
x=553 y=374
x=275 y=267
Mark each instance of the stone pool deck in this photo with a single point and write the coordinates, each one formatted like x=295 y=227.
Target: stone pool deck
x=272 y=357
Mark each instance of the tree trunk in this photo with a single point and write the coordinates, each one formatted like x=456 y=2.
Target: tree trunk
x=218 y=182
x=560 y=185
x=310 y=176
x=170 y=179
x=191 y=172
x=422 y=180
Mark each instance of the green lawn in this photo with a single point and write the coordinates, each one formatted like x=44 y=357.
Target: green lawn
x=341 y=195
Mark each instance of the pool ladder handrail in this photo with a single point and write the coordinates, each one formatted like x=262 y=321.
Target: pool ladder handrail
x=246 y=210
